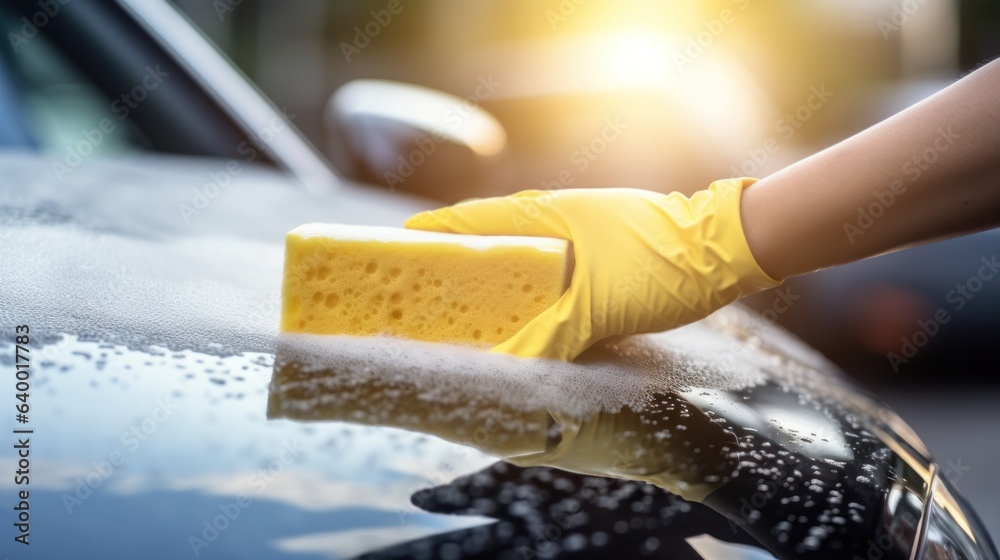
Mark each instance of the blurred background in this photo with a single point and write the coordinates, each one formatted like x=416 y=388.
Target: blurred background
x=658 y=95
x=699 y=85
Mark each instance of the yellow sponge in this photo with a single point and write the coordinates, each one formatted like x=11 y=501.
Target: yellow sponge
x=363 y=280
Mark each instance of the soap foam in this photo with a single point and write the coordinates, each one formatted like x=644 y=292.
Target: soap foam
x=186 y=294
x=193 y=294
x=612 y=374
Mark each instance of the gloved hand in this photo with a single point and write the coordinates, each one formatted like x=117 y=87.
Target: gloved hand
x=645 y=261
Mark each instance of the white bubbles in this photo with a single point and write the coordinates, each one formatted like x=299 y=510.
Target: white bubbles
x=183 y=295
x=811 y=543
x=608 y=377
x=220 y=295
x=105 y=254
x=605 y=380
x=575 y=542
x=599 y=538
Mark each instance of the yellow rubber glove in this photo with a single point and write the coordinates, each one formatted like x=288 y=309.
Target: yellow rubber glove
x=645 y=261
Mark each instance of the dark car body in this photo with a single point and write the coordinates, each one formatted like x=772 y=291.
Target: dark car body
x=151 y=348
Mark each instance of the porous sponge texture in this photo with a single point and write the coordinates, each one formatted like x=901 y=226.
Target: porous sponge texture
x=430 y=286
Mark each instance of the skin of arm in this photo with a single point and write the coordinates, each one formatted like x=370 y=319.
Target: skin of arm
x=934 y=169
x=647 y=262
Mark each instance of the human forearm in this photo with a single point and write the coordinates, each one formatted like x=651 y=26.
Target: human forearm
x=646 y=261
x=930 y=172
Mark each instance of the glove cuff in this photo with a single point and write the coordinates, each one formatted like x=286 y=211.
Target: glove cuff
x=746 y=276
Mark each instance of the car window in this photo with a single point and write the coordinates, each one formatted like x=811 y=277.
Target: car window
x=46 y=103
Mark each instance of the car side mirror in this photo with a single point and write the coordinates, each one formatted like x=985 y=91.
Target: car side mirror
x=415 y=139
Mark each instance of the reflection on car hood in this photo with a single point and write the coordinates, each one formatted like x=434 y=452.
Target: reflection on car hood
x=721 y=411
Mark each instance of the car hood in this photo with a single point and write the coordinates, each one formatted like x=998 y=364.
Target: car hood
x=159 y=385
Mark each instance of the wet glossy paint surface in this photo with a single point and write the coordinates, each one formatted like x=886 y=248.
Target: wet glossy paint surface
x=154 y=348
